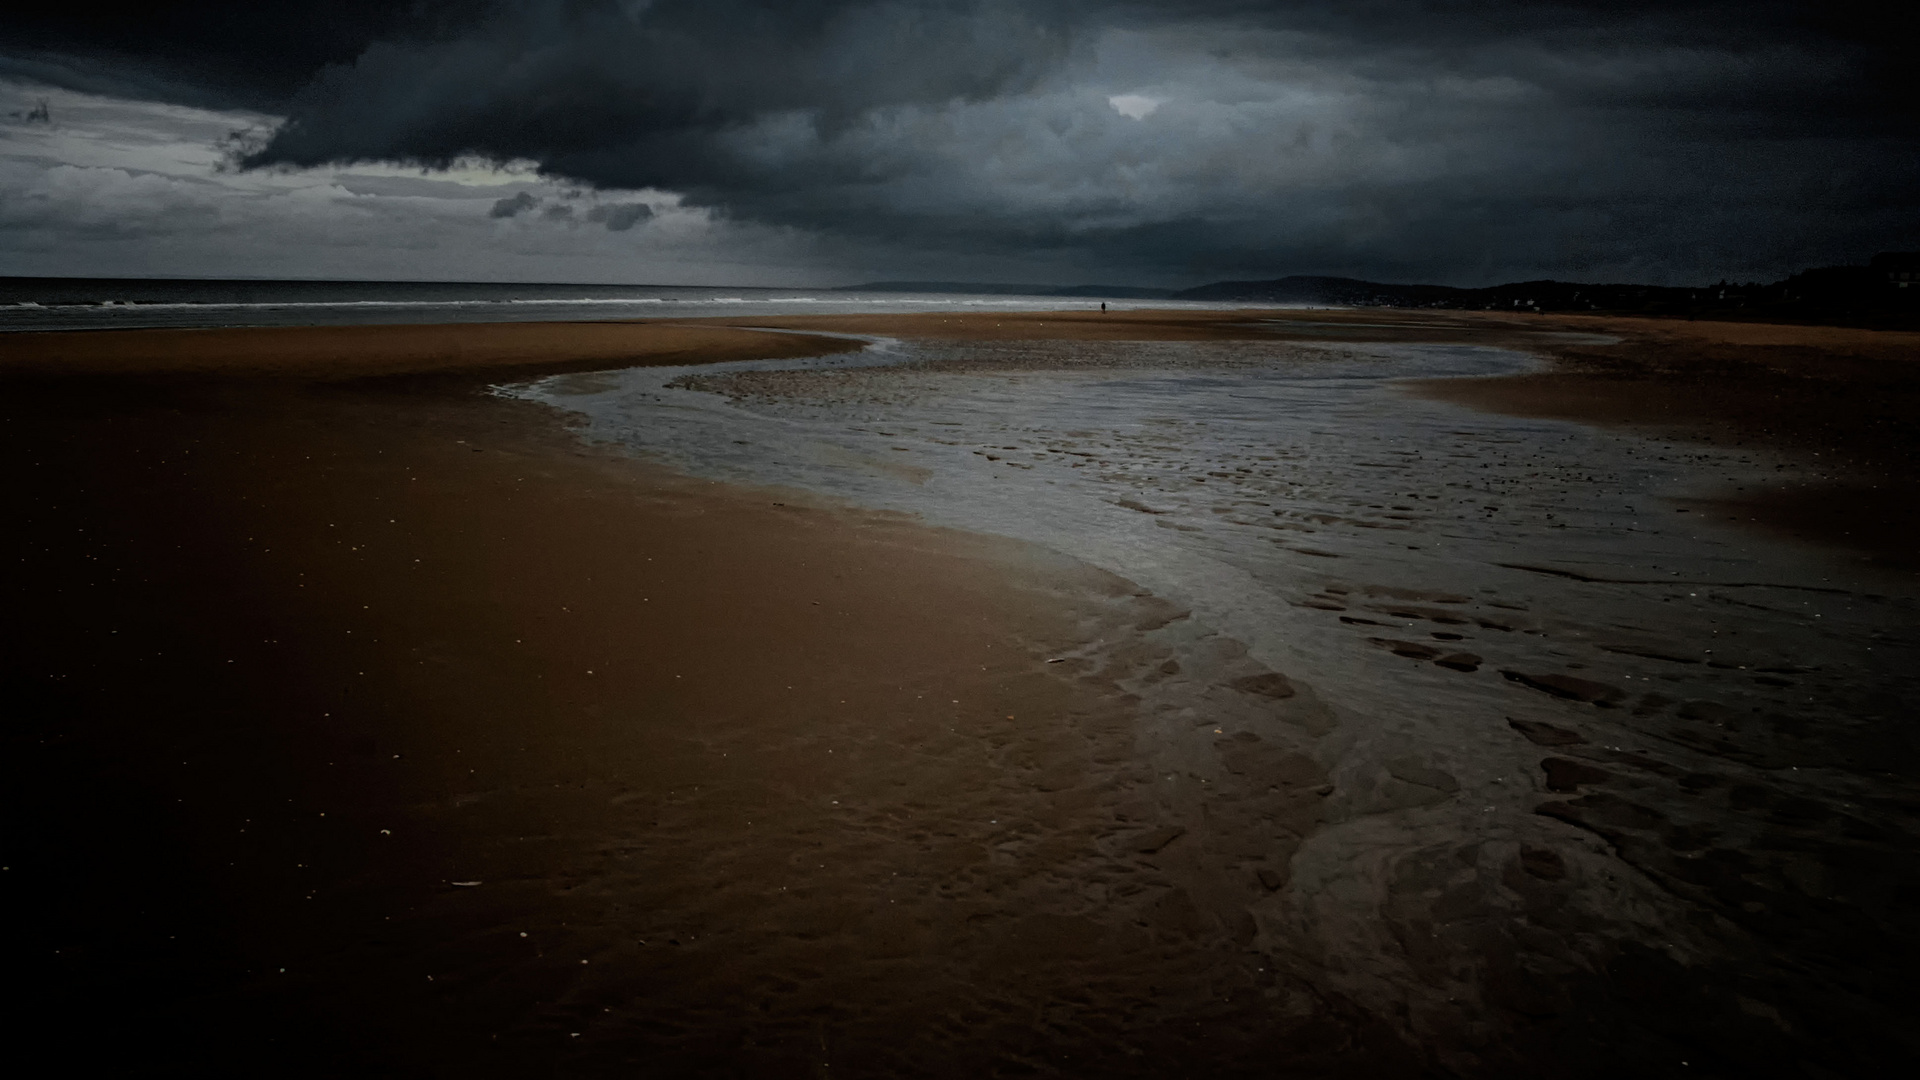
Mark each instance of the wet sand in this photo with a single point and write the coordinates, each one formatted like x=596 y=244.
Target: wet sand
x=775 y=784
x=1842 y=400
x=333 y=353
x=376 y=723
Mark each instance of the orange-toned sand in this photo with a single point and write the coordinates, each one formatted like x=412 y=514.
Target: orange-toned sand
x=378 y=725
x=360 y=721
x=501 y=349
x=1842 y=402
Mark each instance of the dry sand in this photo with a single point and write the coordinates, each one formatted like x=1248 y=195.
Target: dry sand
x=365 y=721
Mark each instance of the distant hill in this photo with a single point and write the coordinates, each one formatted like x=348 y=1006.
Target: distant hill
x=1884 y=293
x=1518 y=296
x=1115 y=292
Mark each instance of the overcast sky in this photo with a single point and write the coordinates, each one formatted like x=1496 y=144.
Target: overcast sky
x=821 y=142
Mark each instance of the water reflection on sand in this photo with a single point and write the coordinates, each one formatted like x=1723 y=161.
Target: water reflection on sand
x=1554 y=699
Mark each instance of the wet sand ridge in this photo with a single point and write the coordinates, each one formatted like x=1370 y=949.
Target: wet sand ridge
x=1843 y=401
x=516 y=756
x=800 y=786
x=1536 y=653
x=346 y=352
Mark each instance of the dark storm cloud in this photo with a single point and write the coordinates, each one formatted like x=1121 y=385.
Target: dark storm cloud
x=595 y=90
x=619 y=217
x=1448 y=141
x=210 y=52
x=512 y=205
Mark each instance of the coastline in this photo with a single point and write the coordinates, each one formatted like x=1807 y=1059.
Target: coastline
x=361 y=678
x=213 y=550
x=1836 y=402
x=331 y=353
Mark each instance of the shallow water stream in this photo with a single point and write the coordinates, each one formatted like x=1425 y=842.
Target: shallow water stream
x=1570 y=721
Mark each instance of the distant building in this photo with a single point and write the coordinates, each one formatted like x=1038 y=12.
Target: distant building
x=1902 y=268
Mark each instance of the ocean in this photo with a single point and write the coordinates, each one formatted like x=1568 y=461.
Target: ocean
x=28 y=304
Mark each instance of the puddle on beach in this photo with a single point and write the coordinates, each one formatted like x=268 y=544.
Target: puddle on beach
x=1556 y=721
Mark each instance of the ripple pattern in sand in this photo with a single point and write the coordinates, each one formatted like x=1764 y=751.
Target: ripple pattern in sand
x=1559 y=714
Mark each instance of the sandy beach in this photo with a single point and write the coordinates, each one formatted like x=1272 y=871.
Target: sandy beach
x=1232 y=693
